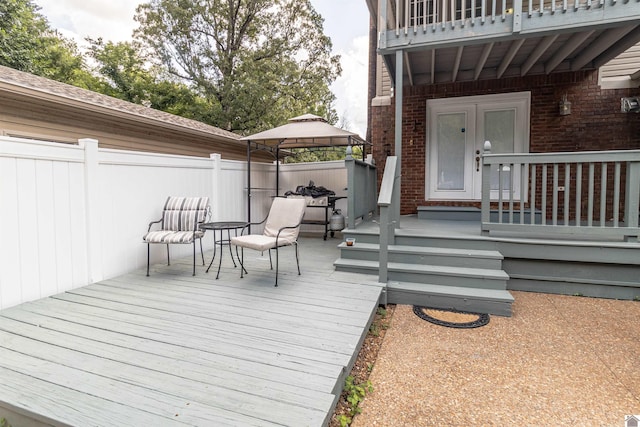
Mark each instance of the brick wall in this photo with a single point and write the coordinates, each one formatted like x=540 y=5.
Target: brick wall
x=595 y=123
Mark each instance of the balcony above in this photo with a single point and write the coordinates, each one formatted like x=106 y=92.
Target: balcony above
x=462 y=40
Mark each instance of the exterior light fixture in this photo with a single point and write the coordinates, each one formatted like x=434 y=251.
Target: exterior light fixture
x=630 y=105
x=565 y=106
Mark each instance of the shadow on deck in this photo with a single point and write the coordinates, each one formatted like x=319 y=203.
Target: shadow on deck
x=174 y=349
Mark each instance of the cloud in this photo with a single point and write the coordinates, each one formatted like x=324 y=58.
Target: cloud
x=351 y=87
x=77 y=19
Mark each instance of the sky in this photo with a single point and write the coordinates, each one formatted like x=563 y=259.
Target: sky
x=346 y=22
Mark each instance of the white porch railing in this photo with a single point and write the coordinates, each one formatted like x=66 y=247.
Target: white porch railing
x=388 y=200
x=587 y=193
x=406 y=17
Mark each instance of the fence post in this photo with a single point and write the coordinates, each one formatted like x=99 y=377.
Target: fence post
x=92 y=209
x=216 y=159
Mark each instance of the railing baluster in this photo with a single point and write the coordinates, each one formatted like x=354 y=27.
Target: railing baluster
x=425 y=15
x=511 y=165
x=407 y=13
x=483 y=11
x=453 y=13
x=397 y=18
x=543 y=186
x=415 y=16
x=564 y=5
x=500 y=193
x=473 y=12
x=444 y=14
x=616 y=194
x=603 y=195
x=533 y=194
x=504 y=10
x=567 y=188
x=554 y=212
x=578 y=194
x=530 y=11
x=524 y=178
x=591 y=184
x=434 y=22
x=463 y=13
x=541 y=11
x=493 y=10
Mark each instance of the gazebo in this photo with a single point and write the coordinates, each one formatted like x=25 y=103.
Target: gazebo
x=306 y=131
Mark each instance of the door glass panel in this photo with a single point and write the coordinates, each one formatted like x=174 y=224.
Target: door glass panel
x=451 y=139
x=499 y=129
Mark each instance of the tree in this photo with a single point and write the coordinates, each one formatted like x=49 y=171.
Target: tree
x=28 y=43
x=256 y=62
x=126 y=72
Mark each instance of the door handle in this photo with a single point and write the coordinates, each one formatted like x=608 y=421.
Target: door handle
x=477 y=160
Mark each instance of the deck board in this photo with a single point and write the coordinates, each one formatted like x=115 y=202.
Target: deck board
x=174 y=349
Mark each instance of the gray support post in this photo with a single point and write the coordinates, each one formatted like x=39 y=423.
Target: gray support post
x=632 y=198
x=398 y=133
x=486 y=191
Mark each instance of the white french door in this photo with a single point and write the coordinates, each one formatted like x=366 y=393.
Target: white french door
x=458 y=128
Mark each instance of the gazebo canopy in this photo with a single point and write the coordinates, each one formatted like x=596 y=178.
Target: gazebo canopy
x=305 y=131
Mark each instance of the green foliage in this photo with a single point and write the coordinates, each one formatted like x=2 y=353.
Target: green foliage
x=355 y=394
x=256 y=62
x=4 y=422
x=27 y=43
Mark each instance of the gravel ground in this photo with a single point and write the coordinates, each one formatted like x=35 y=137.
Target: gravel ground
x=559 y=360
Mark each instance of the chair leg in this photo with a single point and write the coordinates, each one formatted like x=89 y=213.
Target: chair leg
x=201 y=252
x=148 y=257
x=241 y=261
x=276 y=265
x=270 y=263
x=297 y=259
x=168 y=260
x=194 y=257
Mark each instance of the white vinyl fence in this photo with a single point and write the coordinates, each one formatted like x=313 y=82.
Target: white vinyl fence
x=71 y=215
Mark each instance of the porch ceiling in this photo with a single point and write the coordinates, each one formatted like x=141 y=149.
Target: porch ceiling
x=518 y=55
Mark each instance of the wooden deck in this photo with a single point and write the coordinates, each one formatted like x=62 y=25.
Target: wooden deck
x=173 y=349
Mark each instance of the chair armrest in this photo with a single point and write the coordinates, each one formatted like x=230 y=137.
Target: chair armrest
x=249 y=224
x=285 y=228
x=154 y=222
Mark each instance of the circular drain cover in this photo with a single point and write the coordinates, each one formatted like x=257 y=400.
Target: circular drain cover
x=451 y=318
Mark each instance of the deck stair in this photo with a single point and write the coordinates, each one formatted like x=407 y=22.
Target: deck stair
x=440 y=277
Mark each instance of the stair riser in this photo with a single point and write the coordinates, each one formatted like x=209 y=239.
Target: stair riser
x=436 y=242
x=495 y=307
x=436 y=279
x=420 y=259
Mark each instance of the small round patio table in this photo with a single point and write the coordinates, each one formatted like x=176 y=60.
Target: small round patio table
x=222 y=226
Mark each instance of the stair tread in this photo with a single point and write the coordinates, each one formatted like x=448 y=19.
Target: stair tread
x=438 y=269
x=471 y=253
x=477 y=293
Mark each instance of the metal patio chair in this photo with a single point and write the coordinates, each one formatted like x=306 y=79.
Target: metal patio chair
x=179 y=224
x=281 y=228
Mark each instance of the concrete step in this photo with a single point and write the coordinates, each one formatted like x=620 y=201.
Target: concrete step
x=480 y=278
x=470 y=258
x=491 y=301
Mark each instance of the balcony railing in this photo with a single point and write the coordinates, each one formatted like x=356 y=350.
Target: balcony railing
x=584 y=193
x=447 y=20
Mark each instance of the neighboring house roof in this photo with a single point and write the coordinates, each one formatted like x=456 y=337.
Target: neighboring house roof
x=44 y=109
x=53 y=90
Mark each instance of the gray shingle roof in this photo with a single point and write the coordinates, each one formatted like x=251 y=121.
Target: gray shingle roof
x=94 y=100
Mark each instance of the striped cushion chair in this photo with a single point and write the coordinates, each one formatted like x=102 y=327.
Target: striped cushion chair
x=180 y=222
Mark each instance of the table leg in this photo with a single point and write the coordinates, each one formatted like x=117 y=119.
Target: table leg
x=214 y=250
